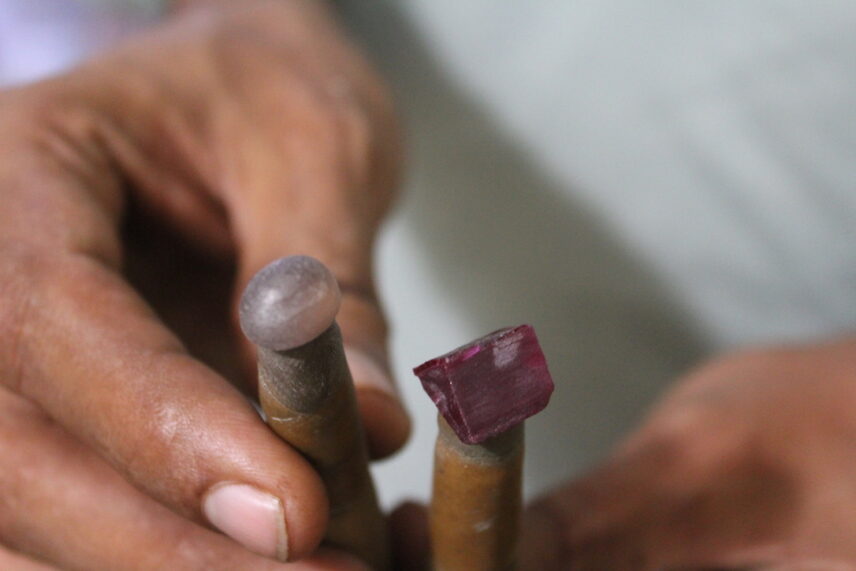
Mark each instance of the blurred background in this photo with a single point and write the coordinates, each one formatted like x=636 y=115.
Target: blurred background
x=648 y=184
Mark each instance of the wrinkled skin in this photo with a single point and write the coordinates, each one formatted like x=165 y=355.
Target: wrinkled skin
x=138 y=194
x=747 y=463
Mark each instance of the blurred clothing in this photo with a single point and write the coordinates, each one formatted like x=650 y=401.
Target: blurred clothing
x=42 y=37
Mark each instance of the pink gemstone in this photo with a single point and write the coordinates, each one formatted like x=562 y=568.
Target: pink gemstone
x=490 y=385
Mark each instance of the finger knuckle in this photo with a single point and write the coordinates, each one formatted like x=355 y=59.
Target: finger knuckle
x=21 y=272
x=696 y=440
x=340 y=119
x=164 y=440
x=168 y=449
x=34 y=283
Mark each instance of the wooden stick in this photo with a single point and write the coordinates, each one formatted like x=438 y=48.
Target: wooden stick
x=484 y=391
x=307 y=394
x=476 y=501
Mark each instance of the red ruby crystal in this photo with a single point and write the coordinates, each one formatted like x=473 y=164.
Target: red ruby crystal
x=490 y=385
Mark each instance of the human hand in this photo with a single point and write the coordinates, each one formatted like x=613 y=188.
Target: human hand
x=747 y=463
x=138 y=194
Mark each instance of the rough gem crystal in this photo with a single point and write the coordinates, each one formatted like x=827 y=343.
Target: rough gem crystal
x=490 y=385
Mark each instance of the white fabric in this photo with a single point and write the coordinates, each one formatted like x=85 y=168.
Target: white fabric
x=646 y=182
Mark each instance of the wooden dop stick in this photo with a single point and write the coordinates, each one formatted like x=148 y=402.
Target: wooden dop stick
x=484 y=391
x=476 y=501
x=308 y=397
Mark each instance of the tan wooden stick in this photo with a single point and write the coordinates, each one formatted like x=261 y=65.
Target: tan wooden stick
x=484 y=392
x=308 y=397
x=476 y=501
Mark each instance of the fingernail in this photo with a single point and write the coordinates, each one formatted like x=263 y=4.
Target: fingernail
x=367 y=373
x=253 y=518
